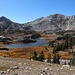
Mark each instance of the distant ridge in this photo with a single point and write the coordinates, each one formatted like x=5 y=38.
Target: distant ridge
x=54 y=22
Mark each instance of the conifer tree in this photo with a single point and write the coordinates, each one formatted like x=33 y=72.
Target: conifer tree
x=41 y=56
x=54 y=58
x=34 y=56
x=58 y=58
x=49 y=58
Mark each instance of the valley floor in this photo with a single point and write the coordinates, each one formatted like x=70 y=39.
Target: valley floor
x=15 y=61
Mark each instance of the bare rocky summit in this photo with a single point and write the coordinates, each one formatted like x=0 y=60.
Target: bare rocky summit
x=54 y=22
x=7 y=25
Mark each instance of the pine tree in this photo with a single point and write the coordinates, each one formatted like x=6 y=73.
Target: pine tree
x=34 y=56
x=58 y=57
x=41 y=56
x=51 y=43
x=70 y=42
x=66 y=44
x=49 y=58
x=55 y=49
x=72 y=60
x=63 y=46
x=54 y=58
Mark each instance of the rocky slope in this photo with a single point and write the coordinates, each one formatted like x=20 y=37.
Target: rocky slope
x=53 y=22
x=8 y=25
x=27 y=67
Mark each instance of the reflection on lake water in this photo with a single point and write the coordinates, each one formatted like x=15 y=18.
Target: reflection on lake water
x=40 y=42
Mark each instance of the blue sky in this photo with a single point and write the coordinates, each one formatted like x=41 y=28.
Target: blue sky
x=22 y=11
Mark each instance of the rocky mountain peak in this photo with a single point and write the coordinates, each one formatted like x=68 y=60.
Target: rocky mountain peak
x=54 y=22
x=3 y=19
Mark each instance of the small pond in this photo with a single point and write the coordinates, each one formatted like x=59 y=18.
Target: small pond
x=40 y=42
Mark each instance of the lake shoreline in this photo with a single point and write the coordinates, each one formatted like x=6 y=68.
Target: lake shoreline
x=39 y=42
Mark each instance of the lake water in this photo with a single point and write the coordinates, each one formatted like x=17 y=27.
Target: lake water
x=40 y=42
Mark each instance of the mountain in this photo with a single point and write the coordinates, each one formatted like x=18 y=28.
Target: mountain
x=54 y=22
x=7 y=25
